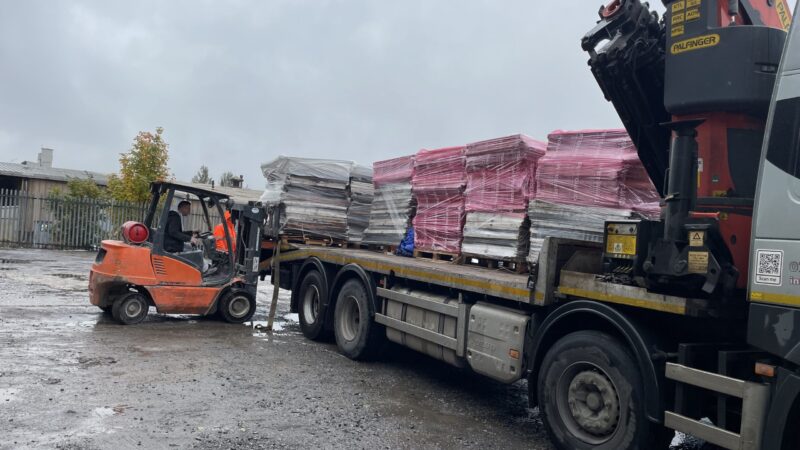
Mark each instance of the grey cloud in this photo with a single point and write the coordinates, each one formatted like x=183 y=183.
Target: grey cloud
x=237 y=83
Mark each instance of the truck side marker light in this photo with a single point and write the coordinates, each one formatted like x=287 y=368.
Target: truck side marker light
x=765 y=370
x=513 y=353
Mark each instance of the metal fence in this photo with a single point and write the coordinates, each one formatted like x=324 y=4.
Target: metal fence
x=60 y=223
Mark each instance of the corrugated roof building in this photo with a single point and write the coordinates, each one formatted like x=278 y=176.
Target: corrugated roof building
x=39 y=177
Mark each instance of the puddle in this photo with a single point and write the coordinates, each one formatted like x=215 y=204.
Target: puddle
x=280 y=324
x=72 y=276
x=84 y=324
x=85 y=361
x=94 y=424
x=14 y=261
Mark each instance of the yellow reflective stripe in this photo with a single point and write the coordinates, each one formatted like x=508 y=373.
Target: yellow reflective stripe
x=630 y=301
x=767 y=297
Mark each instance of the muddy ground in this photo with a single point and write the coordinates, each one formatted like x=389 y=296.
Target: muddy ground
x=70 y=378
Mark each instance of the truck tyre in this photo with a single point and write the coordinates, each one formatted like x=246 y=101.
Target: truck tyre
x=591 y=396
x=236 y=307
x=312 y=291
x=130 y=309
x=357 y=335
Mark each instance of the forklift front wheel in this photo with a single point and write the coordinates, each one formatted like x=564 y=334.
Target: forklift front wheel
x=130 y=309
x=237 y=307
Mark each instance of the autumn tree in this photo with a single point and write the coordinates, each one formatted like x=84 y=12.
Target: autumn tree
x=225 y=179
x=144 y=163
x=202 y=176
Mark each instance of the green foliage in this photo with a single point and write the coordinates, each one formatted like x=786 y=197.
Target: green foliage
x=225 y=179
x=202 y=176
x=144 y=163
x=85 y=189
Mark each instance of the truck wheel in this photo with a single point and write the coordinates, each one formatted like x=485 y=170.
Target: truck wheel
x=590 y=396
x=312 y=290
x=357 y=335
x=237 y=307
x=130 y=309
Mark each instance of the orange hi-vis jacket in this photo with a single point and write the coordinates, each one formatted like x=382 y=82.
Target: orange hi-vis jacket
x=219 y=234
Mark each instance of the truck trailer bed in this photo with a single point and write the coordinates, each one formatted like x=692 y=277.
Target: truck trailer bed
x=481 y=280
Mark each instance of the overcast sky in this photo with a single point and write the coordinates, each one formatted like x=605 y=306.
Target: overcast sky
x=236 y=83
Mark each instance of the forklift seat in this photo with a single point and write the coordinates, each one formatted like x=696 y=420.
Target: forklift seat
x=193 y=257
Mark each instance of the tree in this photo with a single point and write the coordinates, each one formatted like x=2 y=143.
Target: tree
x=225 y=179
x=85 y=188
x=144 y=163
x=80 y=189
x=202 y=176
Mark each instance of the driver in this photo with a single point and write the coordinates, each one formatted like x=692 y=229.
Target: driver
x=174 y=237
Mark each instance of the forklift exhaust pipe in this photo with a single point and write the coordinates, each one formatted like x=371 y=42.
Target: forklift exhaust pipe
x=681 y=188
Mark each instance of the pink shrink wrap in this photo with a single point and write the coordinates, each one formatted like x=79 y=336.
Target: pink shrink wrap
x=438 y=185
x=594 y=168
x=397 y=170
x=500 y=173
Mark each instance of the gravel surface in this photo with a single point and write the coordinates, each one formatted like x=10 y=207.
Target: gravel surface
x=70 y=378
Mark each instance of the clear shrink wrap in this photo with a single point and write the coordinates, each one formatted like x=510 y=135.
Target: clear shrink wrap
x=360 y=194
x=393 y=205
x=313 y=195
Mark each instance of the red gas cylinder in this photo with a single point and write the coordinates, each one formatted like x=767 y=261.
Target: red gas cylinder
x=134 y=232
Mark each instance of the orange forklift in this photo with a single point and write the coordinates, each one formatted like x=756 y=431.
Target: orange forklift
x=130 y=275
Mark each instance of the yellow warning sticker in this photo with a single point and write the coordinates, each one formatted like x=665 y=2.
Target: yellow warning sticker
x=783 y=14
x=677 y=18
x=692 y=3
x=697 y=43
x=677 y=30
x=698 y=262
x=621 y=245
x=696 y=238
x=692 y=14
x=678 y=6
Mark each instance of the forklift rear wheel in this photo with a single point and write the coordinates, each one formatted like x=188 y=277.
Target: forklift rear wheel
x=130 y=309
x=358 y=336
x=312 y=290
x=237 y=307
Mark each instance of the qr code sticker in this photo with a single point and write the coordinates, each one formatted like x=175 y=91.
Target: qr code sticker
x=770 y=266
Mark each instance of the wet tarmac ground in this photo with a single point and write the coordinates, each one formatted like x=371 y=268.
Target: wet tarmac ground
x=71 y=378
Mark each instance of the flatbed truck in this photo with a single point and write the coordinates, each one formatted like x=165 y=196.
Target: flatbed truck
x=688 y=323
x=603 y=361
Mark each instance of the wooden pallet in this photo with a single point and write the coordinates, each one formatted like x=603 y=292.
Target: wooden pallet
x=438 y=256
x=519 y=266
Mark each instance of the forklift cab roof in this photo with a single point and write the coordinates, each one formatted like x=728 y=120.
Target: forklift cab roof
x=206 y=192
